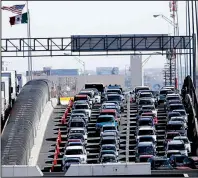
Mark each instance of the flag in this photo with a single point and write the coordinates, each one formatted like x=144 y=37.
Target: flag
x=17 y=9
x=19 y=19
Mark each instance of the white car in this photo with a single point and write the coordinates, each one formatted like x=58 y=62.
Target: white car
x=77 y=152
x=80 y=130
x=149 y=108
x=146 y=131
x=186 y=142
x=176 y=145
x=84 y=106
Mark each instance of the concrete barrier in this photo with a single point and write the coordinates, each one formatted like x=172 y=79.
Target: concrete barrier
x=116 y=169
x=21 y=171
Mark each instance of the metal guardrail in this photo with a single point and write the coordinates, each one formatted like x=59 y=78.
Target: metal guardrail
x=191 y=104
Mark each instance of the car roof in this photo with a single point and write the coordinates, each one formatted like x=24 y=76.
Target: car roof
x=181 y=137
x=145 y=93
x=77 y=128
x=102 y=116
x=175 y=122
x=85 y=103
x=77 y=120
x=175 y=110
x=109 y=138
x=81 y=96
x=108 y=155
x=113 y=89
x=145 y=118
x=144 y=144
x=108 y=125
x=146 y=128
x=172 y=132
x=109 y=104
x=113 y=95
x=108 y=110
x=74 y=147
x=175 y=142
x=110 y=145
x=145 y=99
x=177 y=104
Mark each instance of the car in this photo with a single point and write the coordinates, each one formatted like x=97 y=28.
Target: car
x=172 y=107
x=79 y=143
x=183 y=113
x=110 y=105
x=115 y=102
x=90 y=94
x=117 y=91
x=172 y=114
x=109 y=147
x=169 y=87
x=84 y=106
x=180 y=119
x=78 y=111
x=177 y=145
x=80 y=102
x=77 y=119
x=145 y=95
x=146 y=138
x=148 y=108
x=177 y=160
x=109 y=158
x=72 y=137
x=155 y=119
x=97 y=95
x=162 y=95
x=68 y=161
x=82 y=97
x=109 y=128
x=116 y=97
x=169 y=102
x=145 y=102
x=144 y=151
x=146 y=130
x=76 y=123
x=177 y=126
x=105 y=152
x=112 y=112
x=191 y=162
x=138 y=88
x=160 y=163
x=109 y=140
x=186 y=142
x=80 y=130
x=145 y=121
x=170 y=135
x=77 y=152
x=79 y=115
x=105 y=120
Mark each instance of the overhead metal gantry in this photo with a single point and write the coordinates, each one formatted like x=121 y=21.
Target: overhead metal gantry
x=86 y=45
x=100 y=45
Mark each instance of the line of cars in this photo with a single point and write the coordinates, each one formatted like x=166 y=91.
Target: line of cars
x=107 y=124
x=177 y=145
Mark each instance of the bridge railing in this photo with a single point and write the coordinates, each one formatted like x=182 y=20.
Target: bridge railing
x=191 y=104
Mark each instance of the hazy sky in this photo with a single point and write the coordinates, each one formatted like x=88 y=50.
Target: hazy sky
x=62 y=19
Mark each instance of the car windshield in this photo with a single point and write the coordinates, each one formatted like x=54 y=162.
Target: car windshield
x=164 y=92
x=176 y=147
x=108 y=113
x=185 y=140
x=172 y=98
x=78 y=131
x=75 y=137
x=145 y=123
x=148 y=107
x=77 y=111
x=177 y=119
x=115 y=91
x=107 y=152
x=73 y=161
x=140 y=89
x=105 y=119
x=74 y=152
x=145 y=150
x=161 y=163
x=109 y=107
x=146 y=139
x=175 y=107
x=82 y=106
x=108 y=141
x=183 y=113
x=143 y=95
x=179 y=159
x=174 y=114
x=114 y=98
x=109 y=128
x=74 y=144
x=170 y=154
x=109 y=148
x=145 y=132
x=174 y=127
x=80 y=98
x=145 y=102
x=144 y=159
x=172 y=135
x=77 y=124
x=85 y=93
x=109 y=159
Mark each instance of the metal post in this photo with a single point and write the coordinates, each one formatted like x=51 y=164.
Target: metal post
x=128 y=128
x=194 y=60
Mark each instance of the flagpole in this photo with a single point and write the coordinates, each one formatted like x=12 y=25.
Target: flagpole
x=29 y=43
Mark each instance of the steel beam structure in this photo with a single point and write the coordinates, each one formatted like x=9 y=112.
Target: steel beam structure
x=92 y=45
